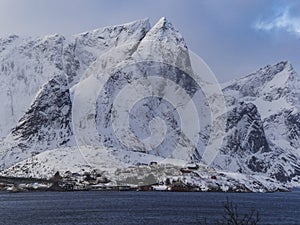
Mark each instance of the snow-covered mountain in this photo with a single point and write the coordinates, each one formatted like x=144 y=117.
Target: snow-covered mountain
x=262 y=127
x=61 y=96
x=27 y=63
x=37 y=76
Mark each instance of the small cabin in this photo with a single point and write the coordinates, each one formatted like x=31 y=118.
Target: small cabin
x=185 y=170
x=153 y=163
x=192 y=166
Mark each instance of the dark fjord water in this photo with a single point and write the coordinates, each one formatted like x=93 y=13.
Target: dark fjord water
x=95 y=208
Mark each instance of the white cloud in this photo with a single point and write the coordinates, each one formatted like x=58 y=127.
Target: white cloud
x=284 y=21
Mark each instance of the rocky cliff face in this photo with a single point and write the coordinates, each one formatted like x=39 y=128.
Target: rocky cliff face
x=265 y=140
x=244 y=131
x=160 y=58
x=47 y=123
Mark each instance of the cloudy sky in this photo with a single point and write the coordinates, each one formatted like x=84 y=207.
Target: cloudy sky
x=234 y=37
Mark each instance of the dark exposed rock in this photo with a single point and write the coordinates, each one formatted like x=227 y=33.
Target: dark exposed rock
x=47 y=123
x=245 y=133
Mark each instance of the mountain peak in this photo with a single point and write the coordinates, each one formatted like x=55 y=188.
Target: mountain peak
x=266 y=74
x=277 y=68
x=165 y=32
x=162 y=22
x=281 y=73
x=163 y=43
x=132 y=26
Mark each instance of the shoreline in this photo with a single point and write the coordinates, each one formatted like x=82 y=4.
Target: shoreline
x=93 y=182
x=128 y=189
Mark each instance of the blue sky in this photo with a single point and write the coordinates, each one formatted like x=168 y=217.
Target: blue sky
x=234 y=37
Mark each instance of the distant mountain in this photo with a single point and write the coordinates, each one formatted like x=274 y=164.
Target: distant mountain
x=262 y=131
x=49 y=114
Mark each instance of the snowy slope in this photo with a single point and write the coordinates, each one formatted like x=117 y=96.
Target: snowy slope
x=38 y=75
x=27 y=63
x=136 y=170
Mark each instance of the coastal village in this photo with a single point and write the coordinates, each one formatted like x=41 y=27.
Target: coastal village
x=141 y=177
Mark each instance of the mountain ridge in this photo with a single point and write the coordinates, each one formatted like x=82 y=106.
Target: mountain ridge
x=252 y=144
